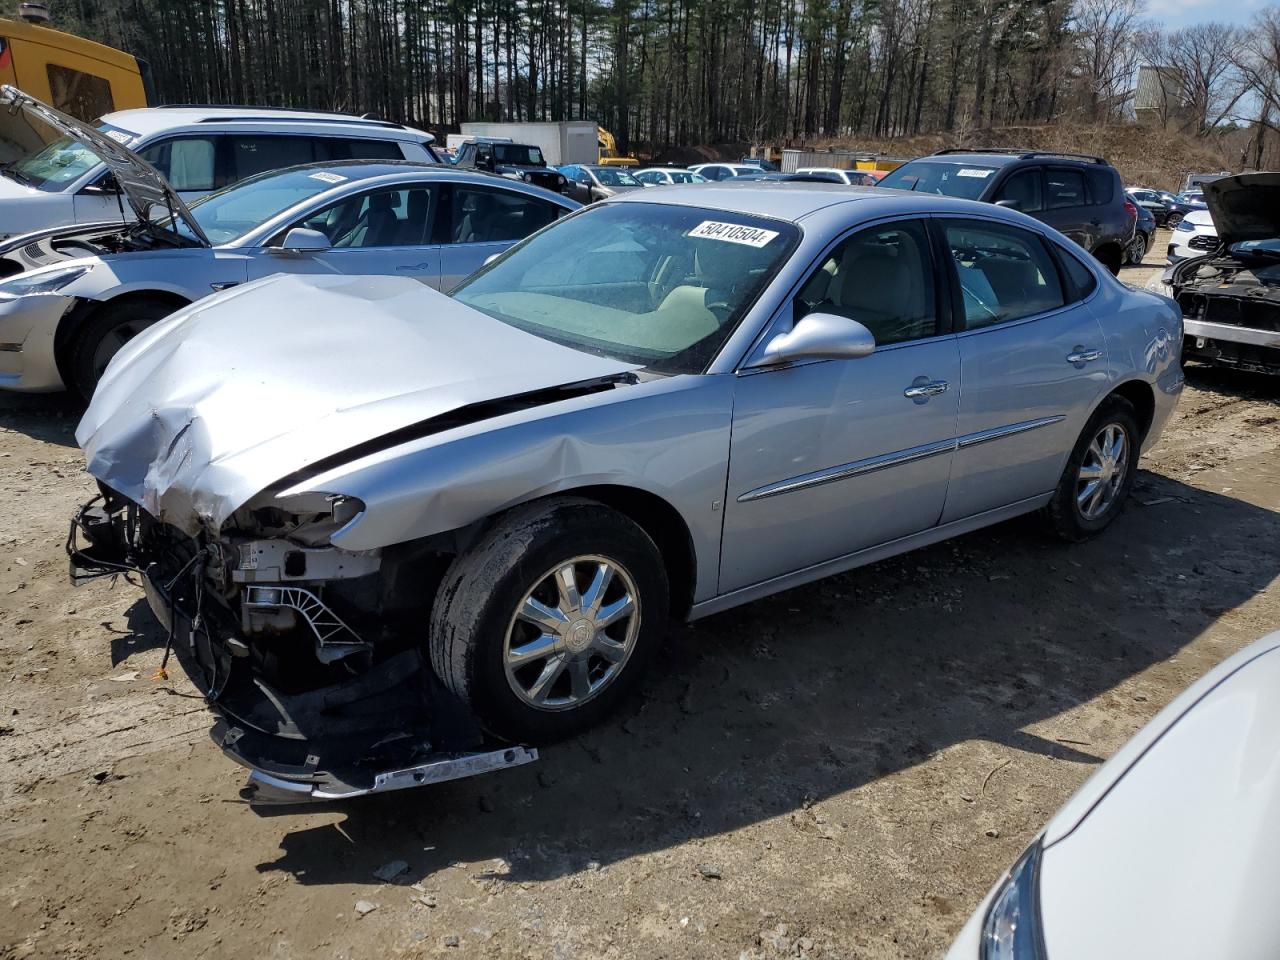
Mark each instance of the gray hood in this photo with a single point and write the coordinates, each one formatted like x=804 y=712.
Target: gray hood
x=142 y=184
x=1245 y=207
x=213 y=405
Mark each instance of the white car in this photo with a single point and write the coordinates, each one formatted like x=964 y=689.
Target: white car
x=59 y=181
x=724 y=171
x=1194 y=236
x=1170 y=850
x=72 y=297
x=850 y=178
x=664 y=176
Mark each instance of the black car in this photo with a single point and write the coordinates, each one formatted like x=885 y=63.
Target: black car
x=1153 y=202
x=1079 y=195
x=519 y=161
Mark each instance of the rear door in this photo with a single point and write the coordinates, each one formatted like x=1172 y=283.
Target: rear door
x=482 y=222
x=1032 y=361
x=389 y=231
x=1066 y=205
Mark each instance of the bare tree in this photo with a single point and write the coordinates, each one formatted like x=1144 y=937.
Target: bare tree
x=1106 y=37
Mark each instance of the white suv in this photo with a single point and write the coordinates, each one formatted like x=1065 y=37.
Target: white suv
x=55 y=180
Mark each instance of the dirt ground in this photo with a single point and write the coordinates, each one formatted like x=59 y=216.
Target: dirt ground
x=839 y=771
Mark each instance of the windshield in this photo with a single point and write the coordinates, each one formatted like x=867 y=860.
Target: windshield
x=951 y=179
x=234 y=211
x=657 y=285
x=1257 y=248
x=517 y=154
x=58 y=161
x=613 y=177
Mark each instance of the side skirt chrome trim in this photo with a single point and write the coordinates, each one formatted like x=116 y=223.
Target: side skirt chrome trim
x=885 y=460
x=868 y=555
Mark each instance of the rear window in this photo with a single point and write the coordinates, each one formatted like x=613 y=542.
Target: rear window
x=1102 y=184
x=83 y=95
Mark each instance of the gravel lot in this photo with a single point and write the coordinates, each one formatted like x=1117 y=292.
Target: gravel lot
x=839 y=771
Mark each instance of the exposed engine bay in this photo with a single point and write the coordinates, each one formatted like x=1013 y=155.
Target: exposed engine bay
x=94 y=241
x=310 y=656
x=1231 y=305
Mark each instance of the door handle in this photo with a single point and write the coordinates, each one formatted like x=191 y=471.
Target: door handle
x=1081 y=355
x=930 y=389
x=227 y=285
x=411 y=267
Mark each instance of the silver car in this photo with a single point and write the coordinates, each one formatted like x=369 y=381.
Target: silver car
x=490 y=505
x=71 y=297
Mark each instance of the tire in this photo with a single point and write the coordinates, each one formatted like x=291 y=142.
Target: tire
x=1173 y=220
x=1076 y=515
x=1136 y=250
x=109 y=329
x=475 y=621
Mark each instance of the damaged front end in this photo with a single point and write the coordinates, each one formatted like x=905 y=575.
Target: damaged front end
x=1231 y=308
x=310 y=656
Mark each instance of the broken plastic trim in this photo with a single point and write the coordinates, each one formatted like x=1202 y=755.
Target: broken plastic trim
x=265 y=789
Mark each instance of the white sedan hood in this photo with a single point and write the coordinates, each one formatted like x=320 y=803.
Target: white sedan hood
x=1173 y=849
x=213 y=405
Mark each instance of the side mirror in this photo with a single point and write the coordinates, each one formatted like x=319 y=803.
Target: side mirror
x=105 y=187
x=819 y=336
x=1011 y=204
x=302 y=240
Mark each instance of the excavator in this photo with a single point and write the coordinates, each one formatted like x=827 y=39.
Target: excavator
x=609 y=151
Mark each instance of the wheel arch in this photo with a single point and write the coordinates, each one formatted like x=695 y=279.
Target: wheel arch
x=1110 y=255
x=1142 y=396
x=85 y=309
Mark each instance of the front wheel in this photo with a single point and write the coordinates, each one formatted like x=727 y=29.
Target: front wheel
x=1099 y=473
x=1174 y=220
x=547 y=622
x=1137 y=250
x=114 y=325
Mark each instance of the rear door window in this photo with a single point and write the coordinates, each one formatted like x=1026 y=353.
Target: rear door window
x=188 y=163
x=257 y=154
x=1003 y=273
x=83 y=95
x=1063 y=188
x=353 y=148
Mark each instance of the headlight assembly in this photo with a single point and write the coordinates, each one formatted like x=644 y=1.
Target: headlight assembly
x=42 y=281
x=1184 y=227
x=1012 y=929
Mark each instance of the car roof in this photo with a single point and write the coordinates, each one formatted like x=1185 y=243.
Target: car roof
x=420 y=170
x=797 y=200
x=145 y=121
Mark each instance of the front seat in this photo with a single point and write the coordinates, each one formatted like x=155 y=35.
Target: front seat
x=874 y=286
x=377 y=226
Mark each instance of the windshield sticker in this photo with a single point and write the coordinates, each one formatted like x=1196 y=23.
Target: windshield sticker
x=119 y=136
x=732 y=233
x=327 y=177
x=974 y=172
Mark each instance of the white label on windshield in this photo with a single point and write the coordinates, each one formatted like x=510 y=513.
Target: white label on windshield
x=732 y=233
x=119 y=136
x=328 y=177
x=974 y=172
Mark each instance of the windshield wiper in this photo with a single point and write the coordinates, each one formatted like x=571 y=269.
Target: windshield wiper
x=17 y=175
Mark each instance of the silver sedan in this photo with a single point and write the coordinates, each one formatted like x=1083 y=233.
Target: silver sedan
x=657 y=408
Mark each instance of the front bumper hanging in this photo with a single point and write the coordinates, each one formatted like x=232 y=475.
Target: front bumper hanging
x=390 y=727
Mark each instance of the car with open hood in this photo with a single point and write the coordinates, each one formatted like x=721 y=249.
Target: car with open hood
x=1228 y=286
x=1171 y=849
x=54 y=174
x=491 y=504
x=71 y=297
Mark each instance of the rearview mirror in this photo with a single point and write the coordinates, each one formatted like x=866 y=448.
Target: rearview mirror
x=819 y=336
x=302 y=240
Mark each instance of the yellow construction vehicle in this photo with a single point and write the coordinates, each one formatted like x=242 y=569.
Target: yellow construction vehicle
x=609 y=151
x=77 y=76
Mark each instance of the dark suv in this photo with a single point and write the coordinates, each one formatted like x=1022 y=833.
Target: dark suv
x=1078 y=195
x=519 y=161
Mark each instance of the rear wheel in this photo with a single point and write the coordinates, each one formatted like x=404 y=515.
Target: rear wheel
x=1099 y=473
x=109 y=329
x=546 y=623
x=1137 y=250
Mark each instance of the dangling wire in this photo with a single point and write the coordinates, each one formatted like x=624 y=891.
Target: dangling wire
x=162 y=672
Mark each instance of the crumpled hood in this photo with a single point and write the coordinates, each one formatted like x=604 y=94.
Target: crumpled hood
x=1246 y=207
x=211 y=406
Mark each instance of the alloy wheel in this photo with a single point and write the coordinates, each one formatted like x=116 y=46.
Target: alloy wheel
x=572 y=633
x=113 y=341
x=1102 y=471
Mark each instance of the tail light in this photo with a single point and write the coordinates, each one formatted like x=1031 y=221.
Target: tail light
x=1130 y=209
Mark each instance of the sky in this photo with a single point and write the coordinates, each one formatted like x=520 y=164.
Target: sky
x=1172 y=14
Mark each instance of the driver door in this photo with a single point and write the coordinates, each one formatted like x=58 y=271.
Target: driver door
x=830 y=457
x=388 y=232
